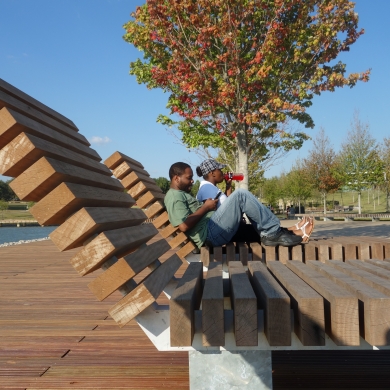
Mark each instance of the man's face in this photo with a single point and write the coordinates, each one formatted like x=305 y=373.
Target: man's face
x=185 y=181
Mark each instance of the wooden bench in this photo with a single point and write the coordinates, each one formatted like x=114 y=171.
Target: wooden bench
x=328 y=294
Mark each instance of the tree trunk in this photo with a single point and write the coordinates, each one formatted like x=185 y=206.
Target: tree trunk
x=242 y=163
x=324 y=195
x=359 y=207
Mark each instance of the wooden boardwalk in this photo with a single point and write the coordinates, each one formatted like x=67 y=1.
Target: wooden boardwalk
x=54 y=334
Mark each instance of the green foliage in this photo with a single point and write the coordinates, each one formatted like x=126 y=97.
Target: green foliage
x=195 y=188
x=236 y=70
x=296 y=185
x=3 y=207
x=271 y=191
x=163 y=183
x=6 y=192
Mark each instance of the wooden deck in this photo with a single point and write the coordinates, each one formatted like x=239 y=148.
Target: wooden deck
x=56 y=335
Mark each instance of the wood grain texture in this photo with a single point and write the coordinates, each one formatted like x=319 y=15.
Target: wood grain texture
x=118 y=158
x=26 y=149
x=374 y=306
x=110 y=243
x=32 y=104
x=149 y=197
x=161 y=220
x=47 y=173
x=185 y=250
x=244 y=304
x=297 y=252
x=154 y=209
x=274 y=302
x=182 y=305
x=68 y=198
x=205 y=255
x=373 y=269
x=141 y=188
x=145 y=293
x=126 y=268
x=178 y=240
x=307 y=304
x=134 y=177
x=93 y=220
x=13 y=123
x=257 y=251
x=213 y=326
x=341 y=307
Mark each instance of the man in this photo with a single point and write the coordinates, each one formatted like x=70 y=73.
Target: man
x=203 y=224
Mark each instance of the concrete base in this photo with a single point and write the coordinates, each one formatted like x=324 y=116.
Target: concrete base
x=224 y=370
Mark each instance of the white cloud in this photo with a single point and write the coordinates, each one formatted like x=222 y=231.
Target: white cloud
x=99 y=140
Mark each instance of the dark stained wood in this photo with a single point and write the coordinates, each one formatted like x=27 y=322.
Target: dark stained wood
x=307 y=304
x=213 y=327
x=230 y=252
x=244 y=304
x=243 y=251
x=217 y=254
x=274 y=302
x=257 y=251
x=183 y=303
x=341 y=312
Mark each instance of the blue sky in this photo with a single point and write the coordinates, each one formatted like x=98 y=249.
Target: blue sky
x=70 y=55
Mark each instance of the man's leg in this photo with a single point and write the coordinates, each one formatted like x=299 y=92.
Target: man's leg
x=226 y=220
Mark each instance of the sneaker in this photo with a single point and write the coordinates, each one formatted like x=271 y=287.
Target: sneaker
x=283 y=238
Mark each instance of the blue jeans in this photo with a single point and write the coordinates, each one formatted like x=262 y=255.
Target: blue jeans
x=225 y=222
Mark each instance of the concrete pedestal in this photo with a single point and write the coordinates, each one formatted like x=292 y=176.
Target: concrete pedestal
x=225 y=370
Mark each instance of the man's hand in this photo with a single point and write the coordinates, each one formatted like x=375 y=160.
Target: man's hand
x=193 y=219
x=210 y=204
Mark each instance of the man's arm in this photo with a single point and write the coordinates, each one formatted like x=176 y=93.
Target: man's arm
x=193 y=219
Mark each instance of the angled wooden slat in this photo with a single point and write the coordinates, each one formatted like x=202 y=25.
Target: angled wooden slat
x=307 y=304
x=283 y=254
x=309 y=252
x=161 y=220
x=140 y=188
x=374 y=308
x=118 y=242
x=341 y=309
x=134 y=178
x=244 y=304
x=168 y=231
x=149 y=197
x=145 y=293
x=35 y=104
x=118 y=158
x=372 y=280
x=126 y=268
x=269 y=253
x=257 y=251
x=217 y=254
x=274 y=302
x=185 y=250
x=154 y=209
x=379 y=263
x=125 y=168
x=178 y=240
x=213 y=326
x=336 y=250
x=47 y=173
x=26 y=149
x=182 y=305
x=13 y=123
x=93 y=220
x=68 y=198
x=373 y=269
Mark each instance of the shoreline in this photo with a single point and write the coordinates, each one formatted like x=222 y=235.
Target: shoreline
x=23 y=242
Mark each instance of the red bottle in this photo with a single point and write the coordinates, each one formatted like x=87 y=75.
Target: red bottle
x=234 y=176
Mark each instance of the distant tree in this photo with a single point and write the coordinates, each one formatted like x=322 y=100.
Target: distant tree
x=297 y=186
x=361 y=166
x=271 y=191
x=237 y=70
x=195 y=188
x=321 y=167
x=163 y=183
x=6 y=192
x=3 y=206
x=385 y=156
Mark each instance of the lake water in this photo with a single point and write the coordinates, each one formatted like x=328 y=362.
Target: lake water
x=15 y=234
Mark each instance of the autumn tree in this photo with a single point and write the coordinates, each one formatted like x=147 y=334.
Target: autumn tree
x=361 y=166
x=236 y=70
x=321 y=167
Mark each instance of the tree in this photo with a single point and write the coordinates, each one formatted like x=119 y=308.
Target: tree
x=321 y=166
x=385 y=156
x=237 y=70
x=359 y=159
x=3 y=206
x=6 y=192
x=296 y=186
x=163 y=183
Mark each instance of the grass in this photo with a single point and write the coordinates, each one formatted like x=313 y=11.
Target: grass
x=16 y=214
